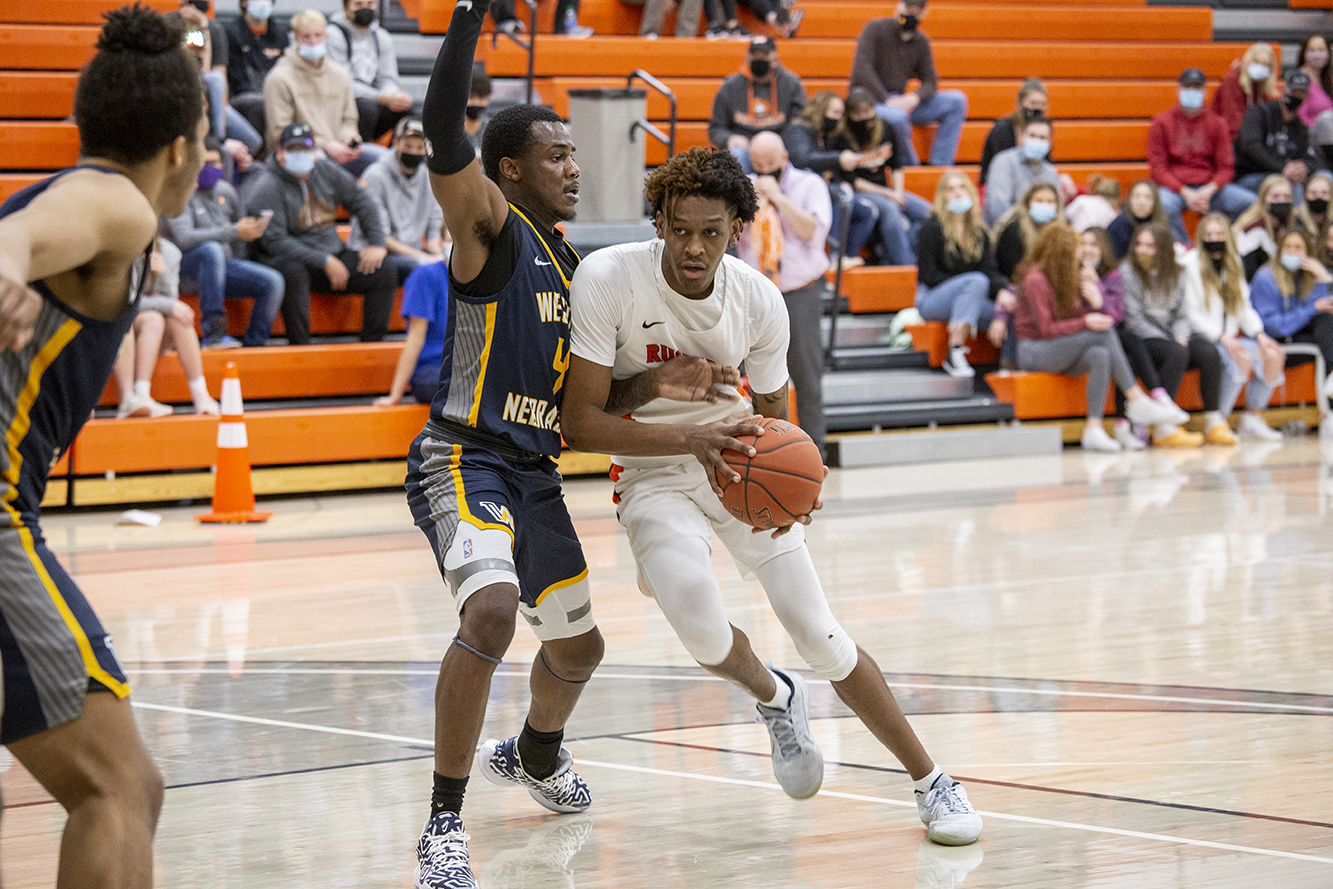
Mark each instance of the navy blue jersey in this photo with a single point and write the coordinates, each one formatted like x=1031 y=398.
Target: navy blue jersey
x=505 y=355
x=49 y=388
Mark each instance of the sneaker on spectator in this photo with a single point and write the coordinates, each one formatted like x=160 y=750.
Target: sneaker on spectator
x=1180 y=415
x=206 y=404
x=511 y=26
x=1096 y=439
x=572 y=28
x=1220 y=434
x=1253 y=426
x=134 y=405
x=1175 y=437
x=738 y=31
x=956 y=364
x=719 y=32
x=220 y=342
x=793 y=22
x=1130 y=440
x=1151 y=412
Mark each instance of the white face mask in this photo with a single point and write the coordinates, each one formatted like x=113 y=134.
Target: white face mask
x=312 y=52
x=1257 y=72
x=260 y=10
x=1191 y=97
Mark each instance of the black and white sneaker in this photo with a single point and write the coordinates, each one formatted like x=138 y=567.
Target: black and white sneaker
x=956 y=364
x=564 y=791
x=442 y=861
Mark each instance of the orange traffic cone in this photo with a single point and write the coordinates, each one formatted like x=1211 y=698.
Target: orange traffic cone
x=233 y=495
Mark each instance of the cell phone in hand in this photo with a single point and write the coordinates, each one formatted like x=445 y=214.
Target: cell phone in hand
x=265 y=214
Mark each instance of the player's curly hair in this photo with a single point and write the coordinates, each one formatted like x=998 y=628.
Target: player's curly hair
x=706 y=172
x=140 y=91
x=509 y=134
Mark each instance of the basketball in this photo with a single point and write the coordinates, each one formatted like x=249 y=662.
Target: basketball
x=780 y=482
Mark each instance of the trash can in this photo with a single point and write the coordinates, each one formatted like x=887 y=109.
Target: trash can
x=610 y=152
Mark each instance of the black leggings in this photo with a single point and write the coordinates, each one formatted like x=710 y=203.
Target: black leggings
x=1320 y=332
x=1161 y=363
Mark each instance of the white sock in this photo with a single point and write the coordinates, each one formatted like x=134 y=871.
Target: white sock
x=198 y=388
x=923 y=786
x=781 y=698
x=143 y=387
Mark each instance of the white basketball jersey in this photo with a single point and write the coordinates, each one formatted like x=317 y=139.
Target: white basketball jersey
x=626 y=317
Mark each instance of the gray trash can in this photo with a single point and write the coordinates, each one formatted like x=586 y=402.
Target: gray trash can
x=610 y=152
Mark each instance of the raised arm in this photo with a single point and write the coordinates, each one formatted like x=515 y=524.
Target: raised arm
x=474 y=207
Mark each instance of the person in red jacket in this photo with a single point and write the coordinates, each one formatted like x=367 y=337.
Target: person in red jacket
x=1190 y=158
x=1251 y=80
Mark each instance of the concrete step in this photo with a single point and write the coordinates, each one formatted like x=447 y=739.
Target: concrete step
x=858 y=387
x=905 y=414
x=945 y=444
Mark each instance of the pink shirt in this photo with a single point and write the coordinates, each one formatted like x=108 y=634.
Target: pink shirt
x=1315 y=103
x=803 y=261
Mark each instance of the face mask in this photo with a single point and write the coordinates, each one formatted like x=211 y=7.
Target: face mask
x=1291 y=103
x=1144 y=262
x=474 y=112
x=299 y=163
x=860 y=130
x=363 y=18
x=959 y=206
x=830 y=124
x=1257 y=72
x=1281 y=211
x=760 y=67
x=1031 y=113
x=1316 y=59
x=1140 y=220
x=1036 y=149
x=908 y=23
x=1317 y=206
x=1291 y=261
x=209 y=176
x=1041 y=212
x=260 y=10
x=311 y=52
x=1191 y=98
x=1216 y=250
x=201 y=5
x=411 y=161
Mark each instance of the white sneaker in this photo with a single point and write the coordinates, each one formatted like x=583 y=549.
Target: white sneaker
x=949 y=818
x=1096 y=439
x=1124 y=433
x=1253 y=426
x=1179 y=416
x=1151 y=412
x=134 y=405
x=207 y=405
x=956 y=364
x=798 y=763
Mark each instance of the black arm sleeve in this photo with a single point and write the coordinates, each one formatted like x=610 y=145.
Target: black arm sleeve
x=446 y=97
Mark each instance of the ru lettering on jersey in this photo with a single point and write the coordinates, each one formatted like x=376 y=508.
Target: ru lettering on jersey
x=658 y=354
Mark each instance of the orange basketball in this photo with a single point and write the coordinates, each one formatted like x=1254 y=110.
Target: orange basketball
x=780 y=482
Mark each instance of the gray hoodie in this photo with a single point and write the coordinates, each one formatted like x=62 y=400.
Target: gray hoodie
x=305 y=214
x=209 y=216
x=370 y=57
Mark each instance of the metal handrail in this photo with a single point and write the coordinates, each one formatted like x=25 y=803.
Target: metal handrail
x=665 y=90
x=529 y=46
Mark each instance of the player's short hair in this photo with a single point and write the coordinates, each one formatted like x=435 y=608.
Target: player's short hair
x=140 y=92
x=509 y=134
x=707 y=173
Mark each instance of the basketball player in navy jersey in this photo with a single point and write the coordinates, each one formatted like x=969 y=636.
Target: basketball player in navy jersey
x=67 y=246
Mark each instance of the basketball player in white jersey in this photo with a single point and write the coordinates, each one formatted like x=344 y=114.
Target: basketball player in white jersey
x=636 y=306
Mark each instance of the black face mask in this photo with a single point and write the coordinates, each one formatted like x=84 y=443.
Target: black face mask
x=1032 y=113
x=1140 y=220
x=363 y=18
x=908 y=23
x=1292 y=103
x=1216 y=250
x=474 y=112
x=760 y=67
x=411 y=161
x=1281 y=211
x=1317 y=205
x=830 y=124
x=201 y=5
x=861 y=130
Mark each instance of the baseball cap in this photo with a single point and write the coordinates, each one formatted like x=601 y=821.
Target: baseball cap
x=1297 y=79
x=409 y=126
x=763 y=44
x=1192 y=77
x=297 y=133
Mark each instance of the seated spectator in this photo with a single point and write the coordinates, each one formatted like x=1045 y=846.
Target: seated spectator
x=1291 y=295
x=366 y=51
x=1313 y=212
x=878 y=177
x=891 y=51
x=1143 y=205
x=957 y=281
x=808 y=141
x=722 y=20
x=762 y=96
x=1155 y=313
x=1190 y=158
x=1017 y=229
x=208 y=234
x=1098 y=207
x=1032 y=103
x=163 y=322
x=1017 y=169
x=399 y=185
x=1250 y=81
x=256 y=41
x=1218 y=305
x=1062 y=328
x=655 y=12
x=426 y=308
x=1274 y=140
x=305 y=87
x=1321 y=142
x=1323 y=244
x=477 y=114
x=244 y=142
x=303 y=191
x=1260 y=228
x=1313 y=60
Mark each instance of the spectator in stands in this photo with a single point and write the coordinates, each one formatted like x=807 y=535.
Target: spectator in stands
x=763 y=95
x=957 y=280
x=208 y=234
x=399 y=185
x=808 y=141
x=1259 y=229
x=304 y=191
x=1218 y=305
x=786 y=243
x=1274 y=140
x=1039 y=207
x=305 y=87
x=1015 y=170
x=199 y=42
x=366 y=50
x=1291 y=295
x=567 y=20
x=1098 y=207
x=1062 y=328
x=1190 y=158
x=1143 y=205
x=256 y=42
x=1313 y=60
x=1032 y=103
x=722 y=20
x=162 y=322
x=687 y=17
x=1155 y=313
x=1313 y=211
x=1251 y=81
x=477 y=113
x=878 y=176
x=889 y=52
x=426 y=308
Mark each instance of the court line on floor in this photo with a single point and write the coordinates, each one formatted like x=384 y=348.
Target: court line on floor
x=740 y=782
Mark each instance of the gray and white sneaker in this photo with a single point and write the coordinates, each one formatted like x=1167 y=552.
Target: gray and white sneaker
x=442 y=860
x=564 y=791
x=949 y=818
x=798 y=763
x=1253 y=426
x=1152 y=412
x=955 y=365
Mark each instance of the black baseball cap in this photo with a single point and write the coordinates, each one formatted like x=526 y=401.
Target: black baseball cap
x=1297 y=79
x=763 y=44
x=297 y=133
x=1193 y=77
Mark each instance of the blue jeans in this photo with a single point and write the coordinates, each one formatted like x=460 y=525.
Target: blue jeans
x=1252 y=181
x=1230 y=199
x=862 y=225
x=899 y=240
x=948 y=108
x=1258 y=393
x=962 y=299
x=227 y=122
x=207 y=270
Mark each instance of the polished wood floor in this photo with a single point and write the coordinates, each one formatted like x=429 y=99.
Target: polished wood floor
x=1127 y=660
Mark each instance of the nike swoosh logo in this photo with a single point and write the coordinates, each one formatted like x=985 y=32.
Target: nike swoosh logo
x=539 y=262
x=646 y=325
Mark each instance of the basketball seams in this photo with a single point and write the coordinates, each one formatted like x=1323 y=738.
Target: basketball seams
x=775 y=504
x=748 y=506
